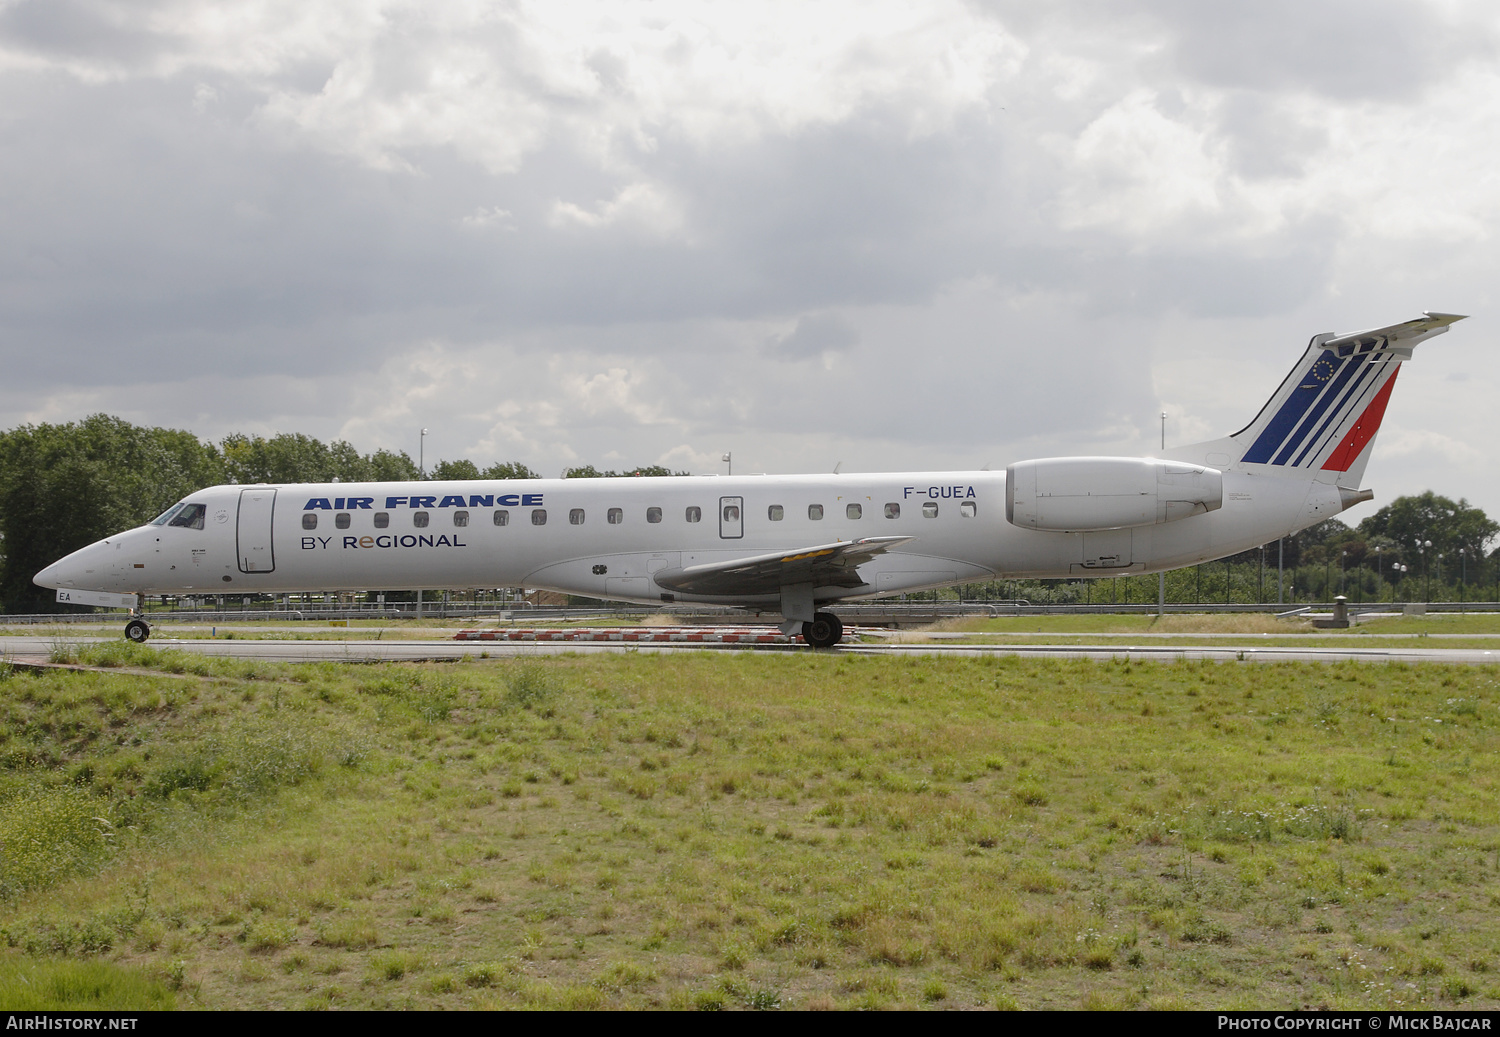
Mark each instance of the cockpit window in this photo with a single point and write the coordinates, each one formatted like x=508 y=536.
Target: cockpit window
x=161 y=520
x=190 y=517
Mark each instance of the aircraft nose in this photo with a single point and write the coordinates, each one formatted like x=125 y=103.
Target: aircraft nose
x=54 y=577
x=83 y=569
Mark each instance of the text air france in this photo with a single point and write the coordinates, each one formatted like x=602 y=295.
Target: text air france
x=452 y=500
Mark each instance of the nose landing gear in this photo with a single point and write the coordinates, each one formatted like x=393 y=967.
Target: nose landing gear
x=138 y=630
x=825 y=630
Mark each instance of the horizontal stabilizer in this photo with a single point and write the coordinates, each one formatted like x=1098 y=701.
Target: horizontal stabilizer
x=824 y=565
x=1398 y=338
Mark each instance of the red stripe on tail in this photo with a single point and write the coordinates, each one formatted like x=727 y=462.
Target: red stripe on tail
x=1363 y=431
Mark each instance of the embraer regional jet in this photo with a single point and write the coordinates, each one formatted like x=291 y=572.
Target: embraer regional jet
x=794 y=545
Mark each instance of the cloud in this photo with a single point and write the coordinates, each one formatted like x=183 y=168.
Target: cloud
x=898 y=236
x=814 y=335
x=489 y=218
x=641 y=206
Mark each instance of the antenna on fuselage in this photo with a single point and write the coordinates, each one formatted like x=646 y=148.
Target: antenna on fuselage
x=837 y=466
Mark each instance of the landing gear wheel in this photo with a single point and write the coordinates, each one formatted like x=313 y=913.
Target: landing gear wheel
x=137 y=631
x=824 y=631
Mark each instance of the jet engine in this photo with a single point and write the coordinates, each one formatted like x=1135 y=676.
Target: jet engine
x=1079 y=494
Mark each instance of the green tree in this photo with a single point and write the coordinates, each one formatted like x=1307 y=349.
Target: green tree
x=465 y=469
x=285 y=457
x=588 y=471
x=509 y=470
x=63 y=487
x=460 y=469
x=290 y=457
x=1311 y=545
x=1449 y=525
x=385 y=466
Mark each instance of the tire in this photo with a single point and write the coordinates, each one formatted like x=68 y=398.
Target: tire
x=137 y=631
x=824 y=631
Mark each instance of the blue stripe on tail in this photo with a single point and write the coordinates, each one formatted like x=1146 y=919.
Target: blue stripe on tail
x=1297 y=404
x=1345 y=404
x=1331 y=394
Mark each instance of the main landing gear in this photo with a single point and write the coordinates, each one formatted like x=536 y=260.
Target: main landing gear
x=824 y=631
x=137 y=630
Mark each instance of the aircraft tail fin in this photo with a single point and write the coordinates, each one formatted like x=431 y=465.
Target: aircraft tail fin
x=1324 y=416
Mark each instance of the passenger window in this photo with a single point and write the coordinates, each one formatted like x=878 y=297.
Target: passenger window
x=854 y=511
x=731 y=513
x=502 y=518
x=460 y=518
x=815 y=512
x=775 y=512
x=893 y=511
x=190 y=517
x=614 y=516
x=419 y=519
x=539 y=517
x=382 y=520
x=341 y=520
x=575 y=517
x=310 y=520
x=653 y=514
x=929 y=509
x=695 y=514
x=968 y=509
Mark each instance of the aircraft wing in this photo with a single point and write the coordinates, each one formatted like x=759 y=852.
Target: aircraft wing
x=825 y=565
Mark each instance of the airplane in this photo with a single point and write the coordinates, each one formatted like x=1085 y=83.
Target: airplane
x=793 y=545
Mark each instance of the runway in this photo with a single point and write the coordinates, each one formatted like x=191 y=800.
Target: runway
x=26 y=649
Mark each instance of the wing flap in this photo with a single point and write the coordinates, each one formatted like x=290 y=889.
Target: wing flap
x=824 y=565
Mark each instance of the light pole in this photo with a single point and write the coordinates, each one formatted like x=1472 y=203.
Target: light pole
x=1379 y=574
x=728 y=459
x=1161 y=577
x=422 y=455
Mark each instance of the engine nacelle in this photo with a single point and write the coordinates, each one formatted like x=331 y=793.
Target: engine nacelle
x=1079 y=494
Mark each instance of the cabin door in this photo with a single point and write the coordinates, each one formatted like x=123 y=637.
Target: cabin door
x=254 y=532
x=731 y=518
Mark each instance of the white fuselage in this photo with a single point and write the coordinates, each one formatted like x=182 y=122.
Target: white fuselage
x=608 y=538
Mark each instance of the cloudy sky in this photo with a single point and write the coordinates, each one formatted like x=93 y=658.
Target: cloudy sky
x=927 y=235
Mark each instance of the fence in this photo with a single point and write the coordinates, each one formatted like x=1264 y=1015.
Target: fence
x=895 y=613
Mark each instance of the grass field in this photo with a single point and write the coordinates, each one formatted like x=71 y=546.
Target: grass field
x=737 y=830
